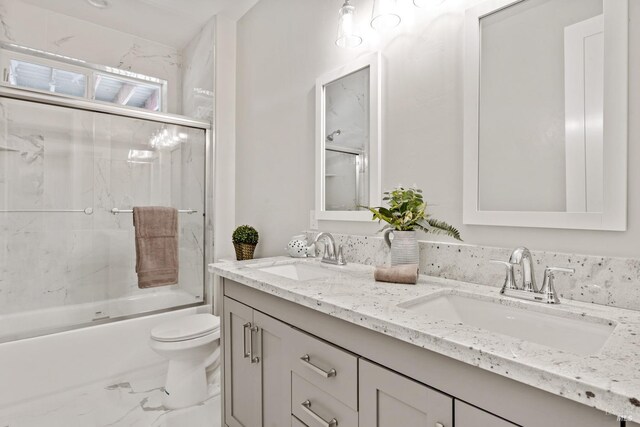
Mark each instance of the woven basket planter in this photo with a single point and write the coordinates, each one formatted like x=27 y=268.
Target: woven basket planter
x=244 y=251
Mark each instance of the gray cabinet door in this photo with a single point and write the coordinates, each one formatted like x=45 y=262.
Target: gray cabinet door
x=242 y=379
x=273 y=337
x=388 y=399
x=470 y=416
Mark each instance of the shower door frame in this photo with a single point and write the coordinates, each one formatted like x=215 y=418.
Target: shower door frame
x=42 y=97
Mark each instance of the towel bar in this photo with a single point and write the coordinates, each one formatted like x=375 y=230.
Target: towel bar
x=116 y=211
x=86 y=211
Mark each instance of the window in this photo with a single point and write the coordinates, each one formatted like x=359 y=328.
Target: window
x=48 y=72
x=42 y=77
x=126 y=92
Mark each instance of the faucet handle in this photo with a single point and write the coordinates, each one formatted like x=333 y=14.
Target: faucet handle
x=340 y=256
x=548 y=290
x=509 y=282
x=551 y=270
x=327 y=252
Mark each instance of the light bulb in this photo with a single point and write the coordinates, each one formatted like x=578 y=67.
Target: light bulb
x=346 y=27
x=427 y=3
x=385 y=15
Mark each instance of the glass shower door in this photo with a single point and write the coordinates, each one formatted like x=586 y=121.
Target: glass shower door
x=66 y=259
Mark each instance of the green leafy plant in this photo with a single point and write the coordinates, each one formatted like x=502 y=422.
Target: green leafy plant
x=407 y=212
x=245 y=234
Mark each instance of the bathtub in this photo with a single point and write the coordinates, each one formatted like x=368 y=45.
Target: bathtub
x=39 y=366
x=33 y=323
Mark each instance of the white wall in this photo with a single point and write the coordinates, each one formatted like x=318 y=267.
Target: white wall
x=225 y=136
x=38 y=28
x=283 y=45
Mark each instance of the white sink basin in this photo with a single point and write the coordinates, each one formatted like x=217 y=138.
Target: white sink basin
x=569 y=332
x=298 y=271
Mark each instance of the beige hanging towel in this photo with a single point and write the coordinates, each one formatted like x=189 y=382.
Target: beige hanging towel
x=156 y=245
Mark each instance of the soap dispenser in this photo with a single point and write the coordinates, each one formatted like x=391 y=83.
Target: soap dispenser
x=298 y=247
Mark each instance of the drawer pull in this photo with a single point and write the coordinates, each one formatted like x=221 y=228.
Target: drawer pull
x=306 y=406
x=439 y=425
x=245 y=354
x=306 y=360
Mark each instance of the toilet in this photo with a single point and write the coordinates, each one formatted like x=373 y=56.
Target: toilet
x=191 y=344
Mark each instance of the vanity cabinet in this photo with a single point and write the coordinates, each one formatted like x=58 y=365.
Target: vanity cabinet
x=296 y=422
x=255 y=356
x=470 y=416
x=388 y=399
x=289 y=365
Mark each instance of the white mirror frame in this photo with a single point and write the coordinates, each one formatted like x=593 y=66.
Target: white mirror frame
x=614 y=215
x=373 y=62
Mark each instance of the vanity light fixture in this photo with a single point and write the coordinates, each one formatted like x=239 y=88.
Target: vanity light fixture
x=347 y=36
x=385 y=15
x=100 y=4
x=427 y=3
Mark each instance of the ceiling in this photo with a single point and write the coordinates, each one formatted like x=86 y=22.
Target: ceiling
x=170 y=22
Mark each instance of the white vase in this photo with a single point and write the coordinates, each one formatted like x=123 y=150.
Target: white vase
x=404 y=247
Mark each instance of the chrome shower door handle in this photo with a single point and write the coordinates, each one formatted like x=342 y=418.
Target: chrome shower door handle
x=244 y=340
x=306 y=407
x=306 y=360
x=254 y=359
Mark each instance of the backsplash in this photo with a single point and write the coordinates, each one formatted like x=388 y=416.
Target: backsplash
x=598 y=280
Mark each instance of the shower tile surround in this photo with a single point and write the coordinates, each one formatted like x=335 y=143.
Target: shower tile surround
x=31 y=26
x=598 y=280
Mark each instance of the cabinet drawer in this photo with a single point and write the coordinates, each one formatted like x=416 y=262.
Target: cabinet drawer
x=316 y=408
x=469 y=416
x=329 y=368
x=296 y=422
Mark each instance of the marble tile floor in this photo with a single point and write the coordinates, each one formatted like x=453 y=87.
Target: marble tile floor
x=132 y=400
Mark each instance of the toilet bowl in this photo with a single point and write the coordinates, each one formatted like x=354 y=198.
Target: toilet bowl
x=191 y=344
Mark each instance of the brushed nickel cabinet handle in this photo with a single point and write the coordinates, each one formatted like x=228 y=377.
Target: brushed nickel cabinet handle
x=439 y=425
x=306 y=360
x=306 y=407
x=254 y=359
x=244 y=340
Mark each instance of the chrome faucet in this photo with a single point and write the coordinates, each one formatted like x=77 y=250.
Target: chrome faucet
x=330 y=256
x=529 y=291
x=522 y=256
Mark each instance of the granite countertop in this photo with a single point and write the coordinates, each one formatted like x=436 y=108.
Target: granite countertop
x=608 y=380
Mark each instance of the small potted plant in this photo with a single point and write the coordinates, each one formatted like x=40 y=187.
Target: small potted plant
x=406 y=214
x=245 y=240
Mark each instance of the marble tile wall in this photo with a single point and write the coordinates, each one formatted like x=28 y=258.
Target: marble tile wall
x=38 y=28
x=198 y=74
x=69 y=159
x=598 y=280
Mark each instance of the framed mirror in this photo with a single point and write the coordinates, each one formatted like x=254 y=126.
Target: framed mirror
x=348 y=146
x=545 y=123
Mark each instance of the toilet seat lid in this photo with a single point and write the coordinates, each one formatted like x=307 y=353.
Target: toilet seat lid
x=186 y=328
